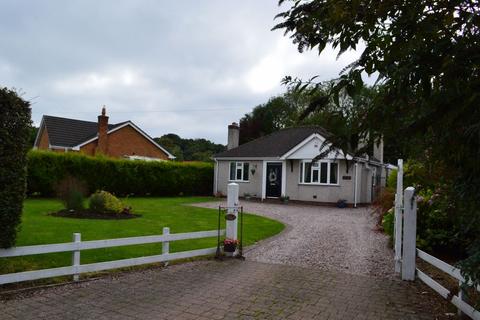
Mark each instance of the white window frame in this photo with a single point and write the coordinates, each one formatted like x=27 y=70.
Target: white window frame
x=242 y=163
x=317 y=167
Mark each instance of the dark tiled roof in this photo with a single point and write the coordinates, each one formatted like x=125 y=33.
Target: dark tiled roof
x=63 y=132
x=273 y=145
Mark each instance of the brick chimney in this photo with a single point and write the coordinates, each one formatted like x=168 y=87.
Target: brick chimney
x=233 y=136
x=102 y=145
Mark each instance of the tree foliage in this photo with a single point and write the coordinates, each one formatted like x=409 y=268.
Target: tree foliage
x=278 y=113
x=15 y=123
x=426 y=59
x=189 y=149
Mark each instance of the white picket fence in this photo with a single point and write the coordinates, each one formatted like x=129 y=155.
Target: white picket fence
x=406 y=251
x=76 y=246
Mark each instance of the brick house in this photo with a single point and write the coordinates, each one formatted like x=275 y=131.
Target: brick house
x=120 y=140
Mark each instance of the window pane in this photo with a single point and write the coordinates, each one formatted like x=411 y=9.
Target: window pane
x=232 y=170
x=239 y=173
x=308 y=172
x=333 y=172
x=315 y=175
x=245 y=171
x=323 y=172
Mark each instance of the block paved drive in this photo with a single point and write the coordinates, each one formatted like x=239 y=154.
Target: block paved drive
x=328 y=264
x=231 y=289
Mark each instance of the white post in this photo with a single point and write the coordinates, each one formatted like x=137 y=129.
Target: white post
x=232 y=204
x=409 y=234
x=166 y=244
x=355 y=186
x=77 y=238
x=398 y=218
x=461 y=295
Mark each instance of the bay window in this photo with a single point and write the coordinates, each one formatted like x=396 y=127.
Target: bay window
x=239 y=171
x=320 y=172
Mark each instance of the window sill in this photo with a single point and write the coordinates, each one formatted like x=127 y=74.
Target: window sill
x=320 y=184
x=240 y=181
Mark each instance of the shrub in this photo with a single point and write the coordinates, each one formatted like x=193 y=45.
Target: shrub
x=383 y=203
x=121 y=177
x=71 y=192
x=15 y=126
x=105 y=202
x=388 y=222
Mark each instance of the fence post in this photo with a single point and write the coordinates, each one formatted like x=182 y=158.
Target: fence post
x=166 y=244
x=77 y=238
x=398 y=218
x=232 y=209
x=409 y=234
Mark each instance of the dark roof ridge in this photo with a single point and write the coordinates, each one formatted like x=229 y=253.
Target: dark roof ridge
x=274 y=144
x=48 y=116
x=284 y=129
x=110 y=124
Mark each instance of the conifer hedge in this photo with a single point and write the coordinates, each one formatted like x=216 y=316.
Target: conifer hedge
x=118 y=176
x=15 y=126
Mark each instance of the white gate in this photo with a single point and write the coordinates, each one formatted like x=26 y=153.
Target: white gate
x=406 y=251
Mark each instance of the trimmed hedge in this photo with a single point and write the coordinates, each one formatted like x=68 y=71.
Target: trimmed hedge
x=15 y=126
x=120 y=177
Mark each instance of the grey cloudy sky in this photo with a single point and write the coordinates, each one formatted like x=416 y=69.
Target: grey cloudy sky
x=187 y=67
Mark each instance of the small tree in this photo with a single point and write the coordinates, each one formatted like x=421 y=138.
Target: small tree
x=15 y=129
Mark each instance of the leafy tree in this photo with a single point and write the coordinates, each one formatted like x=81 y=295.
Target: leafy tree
x=33 y=136
x=172 y=143
x=15 y=129
x=279 y=112
x=425 y=56
x=189 y=149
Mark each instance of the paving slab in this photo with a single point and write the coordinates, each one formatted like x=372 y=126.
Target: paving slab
x=231 y=289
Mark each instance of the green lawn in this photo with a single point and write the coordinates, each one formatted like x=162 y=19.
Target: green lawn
x=40 y=228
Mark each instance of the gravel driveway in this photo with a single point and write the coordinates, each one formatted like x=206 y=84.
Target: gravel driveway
x=327 y=238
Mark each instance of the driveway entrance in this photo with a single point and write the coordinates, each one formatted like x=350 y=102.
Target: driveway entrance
x=326 y=238
x=328 y=264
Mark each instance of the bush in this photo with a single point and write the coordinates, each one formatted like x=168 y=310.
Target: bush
x=118 y=176
x=388 y=222
x=72 y=193
x=15 y=126
x=383 y=203
x=105 y=202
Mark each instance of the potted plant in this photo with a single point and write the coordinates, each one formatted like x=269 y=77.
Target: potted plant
x=341 y=203
x=230 y=245
x=285 y=199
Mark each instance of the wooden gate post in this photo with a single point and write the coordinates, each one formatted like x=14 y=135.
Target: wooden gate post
x=409 y=234
x=398 y=218
x=232 y=209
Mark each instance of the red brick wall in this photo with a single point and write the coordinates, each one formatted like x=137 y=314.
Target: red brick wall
x=126 y=141
x=43 y=141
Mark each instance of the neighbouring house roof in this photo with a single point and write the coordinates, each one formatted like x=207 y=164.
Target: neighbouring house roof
x=73 y=133
x=275 y=144
x=64 y=132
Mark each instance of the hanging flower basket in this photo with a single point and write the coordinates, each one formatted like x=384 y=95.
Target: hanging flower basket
x=230 y=245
